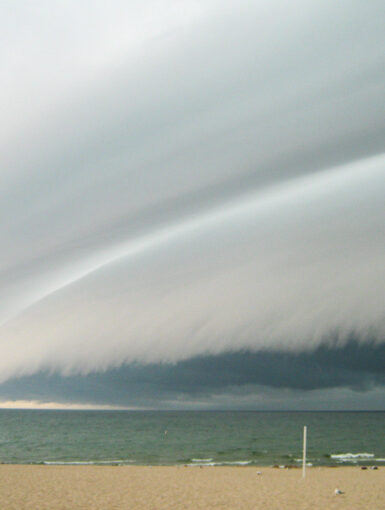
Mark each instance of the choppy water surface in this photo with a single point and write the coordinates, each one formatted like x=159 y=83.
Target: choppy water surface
x=196 y=438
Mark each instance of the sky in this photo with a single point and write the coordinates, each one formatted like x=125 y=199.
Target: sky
x=192 y=204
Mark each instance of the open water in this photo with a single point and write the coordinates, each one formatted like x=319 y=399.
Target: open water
x=194 y=438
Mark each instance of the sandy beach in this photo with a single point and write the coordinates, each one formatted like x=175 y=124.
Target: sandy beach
x=178 y=487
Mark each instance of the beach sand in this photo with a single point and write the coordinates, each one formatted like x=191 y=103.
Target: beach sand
x=179 y=487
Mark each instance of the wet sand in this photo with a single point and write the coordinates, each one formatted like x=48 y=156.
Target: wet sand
x=178 y=487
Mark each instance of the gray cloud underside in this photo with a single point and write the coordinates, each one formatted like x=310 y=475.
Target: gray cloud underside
x=213 y=183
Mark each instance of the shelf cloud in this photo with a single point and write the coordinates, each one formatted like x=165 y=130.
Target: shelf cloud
x=189 y=180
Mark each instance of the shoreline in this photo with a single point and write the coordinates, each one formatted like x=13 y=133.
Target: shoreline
x=236 y=464
x=216 y=465
x=178 y=487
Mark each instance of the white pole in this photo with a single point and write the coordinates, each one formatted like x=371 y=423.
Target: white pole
x=304 y=452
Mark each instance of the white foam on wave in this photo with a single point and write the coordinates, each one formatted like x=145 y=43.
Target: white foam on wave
x=238 y=463
x=202 y=460
x=86 y=462
x=351 y=457
x=222 y=463
x=308 y=464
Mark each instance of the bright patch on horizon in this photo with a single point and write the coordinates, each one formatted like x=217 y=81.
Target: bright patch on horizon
x=35 y=404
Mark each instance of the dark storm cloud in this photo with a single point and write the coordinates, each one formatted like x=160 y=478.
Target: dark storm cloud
x=329 y=370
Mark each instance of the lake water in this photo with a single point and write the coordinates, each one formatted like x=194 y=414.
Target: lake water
x=196 y=438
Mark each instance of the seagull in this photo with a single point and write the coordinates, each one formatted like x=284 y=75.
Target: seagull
x=259 y=472
x=337 y=492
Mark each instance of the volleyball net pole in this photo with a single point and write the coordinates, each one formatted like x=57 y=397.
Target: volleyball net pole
x=304 y=452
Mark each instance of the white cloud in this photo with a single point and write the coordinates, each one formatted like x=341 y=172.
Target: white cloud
x=284 y=269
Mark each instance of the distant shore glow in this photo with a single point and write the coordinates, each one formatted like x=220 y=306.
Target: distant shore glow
x=35 y=404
